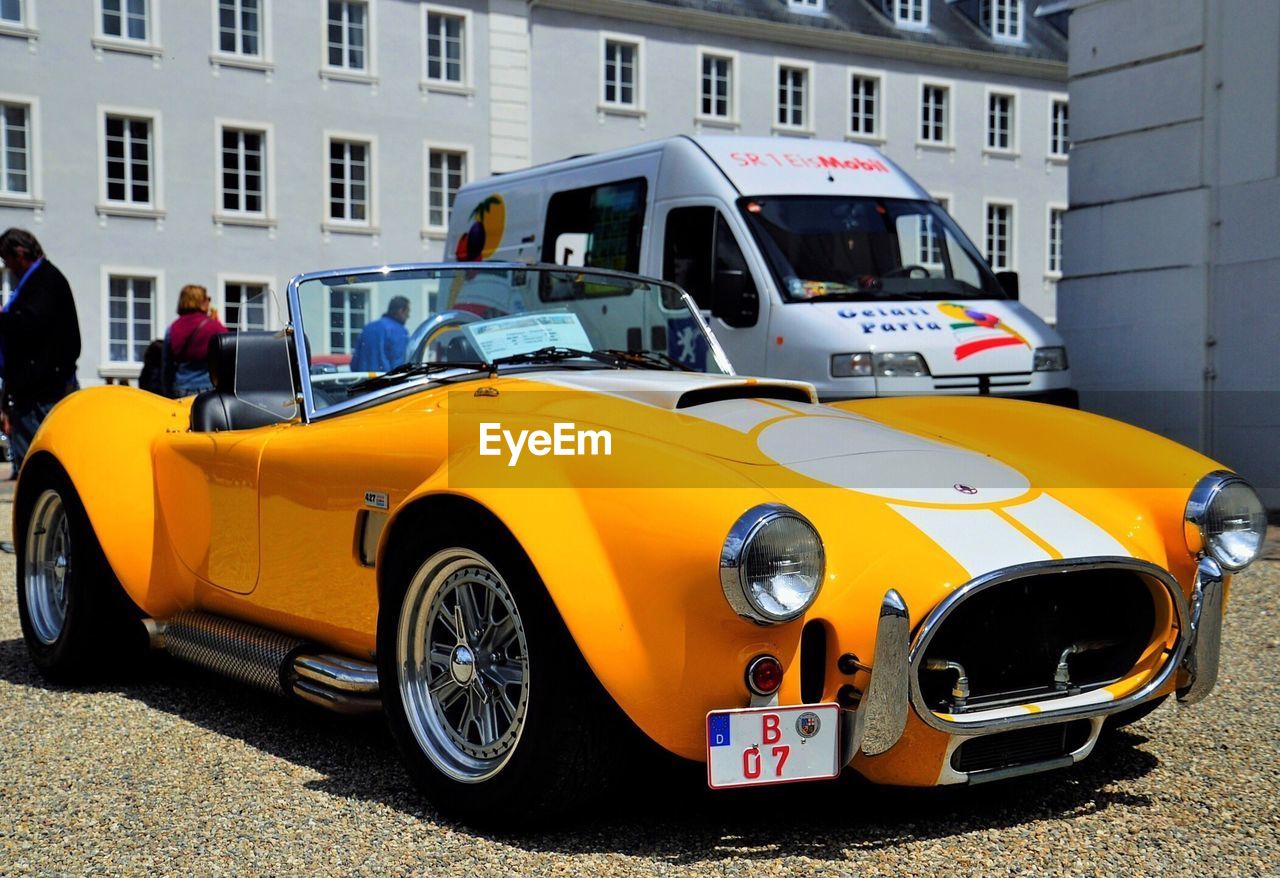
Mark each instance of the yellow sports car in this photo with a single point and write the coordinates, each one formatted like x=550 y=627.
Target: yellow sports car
x=559 y=517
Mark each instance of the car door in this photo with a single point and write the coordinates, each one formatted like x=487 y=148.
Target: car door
x=207 y=491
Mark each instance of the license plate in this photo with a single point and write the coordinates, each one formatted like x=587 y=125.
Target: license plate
x=767 y=745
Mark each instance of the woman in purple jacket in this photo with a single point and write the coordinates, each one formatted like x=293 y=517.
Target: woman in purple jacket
x=186 y=343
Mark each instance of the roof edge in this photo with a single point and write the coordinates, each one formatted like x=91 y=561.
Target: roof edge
x=794 y=34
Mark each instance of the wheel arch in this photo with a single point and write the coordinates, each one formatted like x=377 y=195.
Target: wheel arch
x=603 y=648
x=102 y=438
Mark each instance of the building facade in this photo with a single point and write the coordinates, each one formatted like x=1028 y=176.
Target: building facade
x=232 y=143
x=1174 y=256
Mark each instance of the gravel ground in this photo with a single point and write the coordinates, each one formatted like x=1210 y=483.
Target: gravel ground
x=182 y=773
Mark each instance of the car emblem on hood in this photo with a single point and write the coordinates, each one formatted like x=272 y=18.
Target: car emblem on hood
x=965 y=489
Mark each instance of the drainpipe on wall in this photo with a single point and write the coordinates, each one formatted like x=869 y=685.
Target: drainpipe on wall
x=1211 y=53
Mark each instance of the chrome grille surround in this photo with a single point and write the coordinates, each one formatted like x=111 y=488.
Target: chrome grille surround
x=940 y=613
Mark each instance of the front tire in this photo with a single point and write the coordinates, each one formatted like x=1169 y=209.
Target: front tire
x=496 y=716
x=76 y=619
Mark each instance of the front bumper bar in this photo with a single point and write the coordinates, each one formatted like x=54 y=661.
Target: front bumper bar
x=1200 y=664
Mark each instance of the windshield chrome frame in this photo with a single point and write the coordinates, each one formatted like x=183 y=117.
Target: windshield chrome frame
x=298 y=329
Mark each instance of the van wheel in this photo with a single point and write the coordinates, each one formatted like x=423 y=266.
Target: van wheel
x=76 y=619
x=493 y=709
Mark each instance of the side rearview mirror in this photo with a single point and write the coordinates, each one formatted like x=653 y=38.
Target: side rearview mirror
x=1008 y=282
x=734 y=300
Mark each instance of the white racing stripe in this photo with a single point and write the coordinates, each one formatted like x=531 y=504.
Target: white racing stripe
x=1069 y=532
x=978 y=539
x=743 y=415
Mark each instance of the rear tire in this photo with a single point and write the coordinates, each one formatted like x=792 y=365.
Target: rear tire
x=76 y=620
x=502 y=724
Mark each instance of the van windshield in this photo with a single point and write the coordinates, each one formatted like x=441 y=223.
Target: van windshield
x=866 y=248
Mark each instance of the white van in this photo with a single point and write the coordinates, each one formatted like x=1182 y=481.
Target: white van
x=820 y=261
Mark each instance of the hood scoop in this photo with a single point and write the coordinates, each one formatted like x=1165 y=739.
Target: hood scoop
x=677 y=390
x=705 y=395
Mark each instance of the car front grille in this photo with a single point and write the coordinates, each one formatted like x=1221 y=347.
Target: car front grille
x=1021 y=746
x=1009 y=639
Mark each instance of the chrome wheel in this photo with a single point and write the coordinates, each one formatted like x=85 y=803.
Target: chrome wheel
x=463 y=665
x=48 y=567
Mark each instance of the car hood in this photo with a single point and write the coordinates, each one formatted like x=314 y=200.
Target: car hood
x=767 y=423
x=920 y=495
x=993 y=482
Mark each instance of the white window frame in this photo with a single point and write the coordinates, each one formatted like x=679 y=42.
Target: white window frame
x=1049 y=271
x=948 y=118
x=806 y=107
x=900 y=11
x=261 y=61
x=730 y=120
x=1014 y=9
x=371 y=314
x=369 y=225
x=109 y=368
x=808 y=7
x=369 y=74
x=25 y=26
x=1054 y=100
x=267 y=216
x=1012 y=204
x=467 y=84
x=272 y=306
x=878 y=136
x=990 y=94
x=34 y=196
x=635 y=107
x=155 y=208
x=148 y=46
x=439 y=231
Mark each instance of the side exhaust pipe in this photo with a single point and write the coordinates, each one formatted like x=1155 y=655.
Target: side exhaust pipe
x=270 y=661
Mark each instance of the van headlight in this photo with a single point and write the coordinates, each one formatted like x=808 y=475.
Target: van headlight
x=1050 y=359
x=772 y=564
x=1226 y=521
x=882 y=364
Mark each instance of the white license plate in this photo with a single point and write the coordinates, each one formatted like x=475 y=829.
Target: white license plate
x=766 y=745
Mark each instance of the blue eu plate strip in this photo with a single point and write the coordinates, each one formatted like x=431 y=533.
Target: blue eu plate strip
x=718 y=730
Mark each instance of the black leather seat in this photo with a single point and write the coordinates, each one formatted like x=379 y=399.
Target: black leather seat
x=254 y=383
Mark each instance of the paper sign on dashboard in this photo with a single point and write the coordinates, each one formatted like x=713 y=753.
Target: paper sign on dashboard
x=527 y=332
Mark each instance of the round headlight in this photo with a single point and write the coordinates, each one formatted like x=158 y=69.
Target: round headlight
x=1230 y=518
x=771 y=565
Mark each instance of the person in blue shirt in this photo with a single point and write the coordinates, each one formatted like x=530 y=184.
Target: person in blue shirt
x=382 y=344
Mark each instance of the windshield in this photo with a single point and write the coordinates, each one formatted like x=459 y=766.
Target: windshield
x=370 y=330
x=866 y=248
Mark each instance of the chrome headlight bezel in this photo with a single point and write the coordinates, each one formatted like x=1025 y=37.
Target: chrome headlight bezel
x=733 y=573
x=1199 y=506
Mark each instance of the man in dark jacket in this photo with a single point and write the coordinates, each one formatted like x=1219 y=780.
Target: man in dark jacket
x=39 y=338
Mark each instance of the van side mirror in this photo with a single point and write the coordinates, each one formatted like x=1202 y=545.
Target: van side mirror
x=734 y=300
x=1008 y=282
